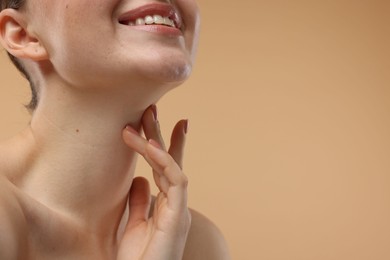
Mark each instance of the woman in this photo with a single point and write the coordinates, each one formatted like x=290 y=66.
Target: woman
x=96 y=69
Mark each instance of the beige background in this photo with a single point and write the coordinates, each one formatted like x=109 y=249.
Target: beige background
x=289 y=145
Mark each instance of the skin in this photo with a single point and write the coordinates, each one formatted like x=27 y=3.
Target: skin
x=67 y=186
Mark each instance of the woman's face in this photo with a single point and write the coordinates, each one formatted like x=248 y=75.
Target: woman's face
x=99 y=43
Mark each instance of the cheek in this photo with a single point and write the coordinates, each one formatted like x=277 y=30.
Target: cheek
x=87 y=49
x=191 y=17
x=74 y=38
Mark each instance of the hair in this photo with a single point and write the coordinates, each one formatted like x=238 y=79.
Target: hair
x=17 y=4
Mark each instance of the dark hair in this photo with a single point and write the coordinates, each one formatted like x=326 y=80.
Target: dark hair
x=16 y=4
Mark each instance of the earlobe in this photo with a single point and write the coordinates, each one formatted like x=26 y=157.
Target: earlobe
x=17 y=40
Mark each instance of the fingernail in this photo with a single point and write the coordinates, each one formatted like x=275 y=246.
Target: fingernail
x=155 y=144
x=186 y=126
x=154 y=110
x=131 y=130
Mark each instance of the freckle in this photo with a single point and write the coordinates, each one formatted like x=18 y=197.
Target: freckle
x=77 y=130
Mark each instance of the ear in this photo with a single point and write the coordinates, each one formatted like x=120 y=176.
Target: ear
x=16 y=39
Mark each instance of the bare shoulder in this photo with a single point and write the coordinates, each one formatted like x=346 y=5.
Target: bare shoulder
x=11 y=222
x=205 y=240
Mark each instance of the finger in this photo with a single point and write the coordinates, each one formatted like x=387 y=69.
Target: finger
x=151 y=126
x=139 y=202
x=159 y=204
x=151 y=129
x=177 y=193
x=178 y=138
x=135 y=141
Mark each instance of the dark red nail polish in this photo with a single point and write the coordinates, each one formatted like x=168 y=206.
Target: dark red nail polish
x=186 y=126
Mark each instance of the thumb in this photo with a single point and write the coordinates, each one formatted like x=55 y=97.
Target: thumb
x=139 y=202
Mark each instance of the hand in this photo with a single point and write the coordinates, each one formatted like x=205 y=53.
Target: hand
x=161 y=236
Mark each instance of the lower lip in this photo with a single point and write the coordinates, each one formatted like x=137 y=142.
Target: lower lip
x=158 y=29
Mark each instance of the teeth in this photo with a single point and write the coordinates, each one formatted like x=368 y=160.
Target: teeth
x=155 y=19
x=169 y=22
x=140 y=21
x=158 y=19
x=149 y=19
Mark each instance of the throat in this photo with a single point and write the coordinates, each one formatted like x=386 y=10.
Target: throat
x=80 y=166
x=85 y=182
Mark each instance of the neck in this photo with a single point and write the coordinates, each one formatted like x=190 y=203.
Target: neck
x=80 y=159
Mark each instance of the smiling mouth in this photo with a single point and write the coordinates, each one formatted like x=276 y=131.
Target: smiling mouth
x=151 y=19
x=152 y=14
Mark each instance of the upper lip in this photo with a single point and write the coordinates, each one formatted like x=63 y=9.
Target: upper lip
x=163 y=9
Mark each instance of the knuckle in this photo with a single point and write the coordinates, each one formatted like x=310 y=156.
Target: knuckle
x=184 y=181
x=169 y=162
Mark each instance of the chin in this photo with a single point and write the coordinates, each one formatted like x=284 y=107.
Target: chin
x=175 y=74
x=167 y=71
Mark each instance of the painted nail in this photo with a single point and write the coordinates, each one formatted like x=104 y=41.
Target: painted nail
x=154 y=110
x=131 y=130
x=186 y=126
x=155 y=144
